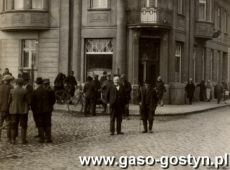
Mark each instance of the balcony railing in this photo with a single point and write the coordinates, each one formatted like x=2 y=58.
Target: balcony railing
x=151 y=16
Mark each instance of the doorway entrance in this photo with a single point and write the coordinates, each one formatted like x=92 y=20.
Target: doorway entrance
x=149 y=63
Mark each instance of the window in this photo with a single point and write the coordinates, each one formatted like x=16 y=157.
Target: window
x=178 y=56
x=97 y=4
x=202 y=10
x=29 y=54
x=212 y=65
x=194 y=64
x=180 y=6
x=37 y=4
x=18 y=4
x=150 y=3
x=99 y=55
x=218 y=19
x=225 y=24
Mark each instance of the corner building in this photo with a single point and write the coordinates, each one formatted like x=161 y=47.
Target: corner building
x=176 y=39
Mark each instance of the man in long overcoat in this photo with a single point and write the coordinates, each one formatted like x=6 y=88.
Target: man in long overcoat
x=148 y=102
x=5 y=89
x=42 y=106
x=190 y=89
x=116 y=101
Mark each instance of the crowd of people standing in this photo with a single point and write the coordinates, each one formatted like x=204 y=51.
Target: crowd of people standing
x=207 y=91
x=17 y=98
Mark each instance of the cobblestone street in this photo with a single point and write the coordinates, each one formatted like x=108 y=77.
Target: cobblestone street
x=200 y=134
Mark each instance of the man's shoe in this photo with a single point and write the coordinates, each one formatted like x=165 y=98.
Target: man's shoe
x=120 y=133
x=111 y=134
x=145 y=131
x=150 y=131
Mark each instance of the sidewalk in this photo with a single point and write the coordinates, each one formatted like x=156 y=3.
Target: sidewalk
x=167 y=110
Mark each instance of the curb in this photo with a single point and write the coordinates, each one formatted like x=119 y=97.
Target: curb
x=166 y=114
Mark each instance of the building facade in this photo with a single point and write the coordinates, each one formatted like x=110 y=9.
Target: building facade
x=176 y=39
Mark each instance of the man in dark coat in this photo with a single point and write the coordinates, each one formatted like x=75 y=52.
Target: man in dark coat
x=71 y=83
x=42 y=106
x=218 y=92
x=104 y=88
x=189 y=89
x=202 y=90
x=128 y=89
x=5 y=89
x=148 y=102
x=116 y=101
x=39 y=83
x=89 y=92
x=50 y=101
x=97 y=86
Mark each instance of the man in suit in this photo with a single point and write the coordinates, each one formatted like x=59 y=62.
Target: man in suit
x=43 y=100
x=18 y=111
x=148 y=102
x=48 y=109
x=5 y=89
x=128 y=88
x=115 y=99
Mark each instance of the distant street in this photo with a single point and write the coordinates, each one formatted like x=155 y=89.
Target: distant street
x=199 y=134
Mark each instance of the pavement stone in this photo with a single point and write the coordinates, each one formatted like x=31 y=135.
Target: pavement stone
x=200 y=134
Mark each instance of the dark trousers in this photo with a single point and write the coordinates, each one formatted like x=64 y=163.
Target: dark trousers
x=44 y=126
x=90 y=106
x=15 y=120
x=147 y=117
x=4 y=117
x=116 y=112
x=190 y=99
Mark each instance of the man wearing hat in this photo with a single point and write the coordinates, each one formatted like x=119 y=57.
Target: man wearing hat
x=148 y=99
x=36 y=104
x=5 y=89
x=18 y=111
x=42 y=106
x=49 y=101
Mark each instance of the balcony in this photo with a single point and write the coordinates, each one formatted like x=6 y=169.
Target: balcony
x=204 y=30
x=151 y=17
x=24 y=20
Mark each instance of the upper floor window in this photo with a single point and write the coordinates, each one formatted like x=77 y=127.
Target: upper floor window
x=150 y=3
x=178 y=59
x=180 y=6
x=202 y=9
x=218 y=19
x=18 y=4
x=97 y=4
x=225 y=24
x=37 y=4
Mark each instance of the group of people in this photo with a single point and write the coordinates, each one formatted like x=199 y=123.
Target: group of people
x=17 y=98
x=207 y=91
x=95 y=91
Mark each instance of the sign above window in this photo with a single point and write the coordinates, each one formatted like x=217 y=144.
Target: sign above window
x=99 y=46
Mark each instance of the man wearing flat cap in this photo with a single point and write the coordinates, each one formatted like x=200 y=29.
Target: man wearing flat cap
x=18 y=111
